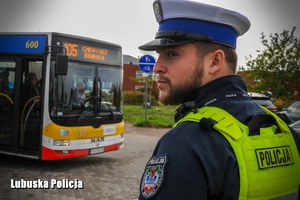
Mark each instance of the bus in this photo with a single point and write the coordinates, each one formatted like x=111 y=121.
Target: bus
x=41 y=117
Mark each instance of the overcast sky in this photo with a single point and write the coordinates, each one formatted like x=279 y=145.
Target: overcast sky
x=131 y=23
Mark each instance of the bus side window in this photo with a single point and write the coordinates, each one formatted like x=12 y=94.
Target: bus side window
x=4 y=81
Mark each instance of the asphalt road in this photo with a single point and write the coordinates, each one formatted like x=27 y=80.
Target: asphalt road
x=110 y=176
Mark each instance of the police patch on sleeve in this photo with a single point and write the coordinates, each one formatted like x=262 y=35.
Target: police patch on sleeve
x=153 y=175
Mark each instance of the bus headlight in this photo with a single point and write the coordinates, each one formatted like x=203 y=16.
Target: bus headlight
x=61 y=143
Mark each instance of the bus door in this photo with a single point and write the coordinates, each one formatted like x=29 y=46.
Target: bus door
x=30 y=105
x=7 y=81
x=20 y=105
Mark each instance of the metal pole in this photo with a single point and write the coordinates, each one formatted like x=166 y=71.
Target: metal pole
x=146 y=98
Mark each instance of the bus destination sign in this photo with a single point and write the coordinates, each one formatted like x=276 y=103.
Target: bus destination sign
x=85 y=52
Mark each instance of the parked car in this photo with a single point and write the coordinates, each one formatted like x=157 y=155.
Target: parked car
x=295 y=126
x=293 y=111
x=262 y=100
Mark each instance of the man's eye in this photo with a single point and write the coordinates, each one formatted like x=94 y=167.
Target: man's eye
x=171 y=54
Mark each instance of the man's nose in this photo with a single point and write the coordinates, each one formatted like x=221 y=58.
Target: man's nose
x=159 y=67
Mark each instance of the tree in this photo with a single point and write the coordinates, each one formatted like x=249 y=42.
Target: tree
x=151 y=86
x=277 y=68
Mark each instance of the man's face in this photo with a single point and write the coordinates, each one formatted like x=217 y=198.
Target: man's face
x=180 y=73
x=34 y=80
x=81 y=90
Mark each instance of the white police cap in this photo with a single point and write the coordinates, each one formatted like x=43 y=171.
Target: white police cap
x=184 y=21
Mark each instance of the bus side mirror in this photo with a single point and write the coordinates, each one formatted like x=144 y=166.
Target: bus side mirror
x=61 y=65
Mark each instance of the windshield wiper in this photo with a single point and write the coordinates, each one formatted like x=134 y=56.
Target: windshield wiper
x=113 y=116
x=82 y=116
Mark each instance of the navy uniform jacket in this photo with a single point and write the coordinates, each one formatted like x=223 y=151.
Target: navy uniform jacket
x=195 y=163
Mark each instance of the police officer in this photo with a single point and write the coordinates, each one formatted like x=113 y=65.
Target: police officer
x=196 y=68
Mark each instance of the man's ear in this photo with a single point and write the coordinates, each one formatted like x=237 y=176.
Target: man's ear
x=217 y=60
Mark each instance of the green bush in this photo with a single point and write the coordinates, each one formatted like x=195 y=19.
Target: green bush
x=282 y=102
x=137 y=98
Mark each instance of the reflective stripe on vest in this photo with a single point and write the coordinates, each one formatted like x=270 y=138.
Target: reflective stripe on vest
x=268 y=163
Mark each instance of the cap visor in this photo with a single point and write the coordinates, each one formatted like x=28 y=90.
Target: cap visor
x=154 y=44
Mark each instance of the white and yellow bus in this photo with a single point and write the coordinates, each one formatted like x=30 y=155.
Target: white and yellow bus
x=52 y=124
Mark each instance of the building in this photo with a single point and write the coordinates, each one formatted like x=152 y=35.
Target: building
x=132 y=70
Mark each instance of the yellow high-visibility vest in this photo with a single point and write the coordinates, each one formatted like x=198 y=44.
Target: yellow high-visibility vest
x=268 y=162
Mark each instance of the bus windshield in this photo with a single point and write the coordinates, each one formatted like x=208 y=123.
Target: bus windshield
x=88 y=95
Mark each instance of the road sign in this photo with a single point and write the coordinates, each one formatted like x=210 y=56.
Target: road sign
x=146 y=63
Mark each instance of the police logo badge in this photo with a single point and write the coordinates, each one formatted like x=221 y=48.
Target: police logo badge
x=157 y=11
x=153 y=175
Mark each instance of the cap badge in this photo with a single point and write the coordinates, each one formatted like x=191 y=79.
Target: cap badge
x=157 y=11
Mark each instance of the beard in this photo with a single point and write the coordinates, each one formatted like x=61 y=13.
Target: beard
x=177 y=94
